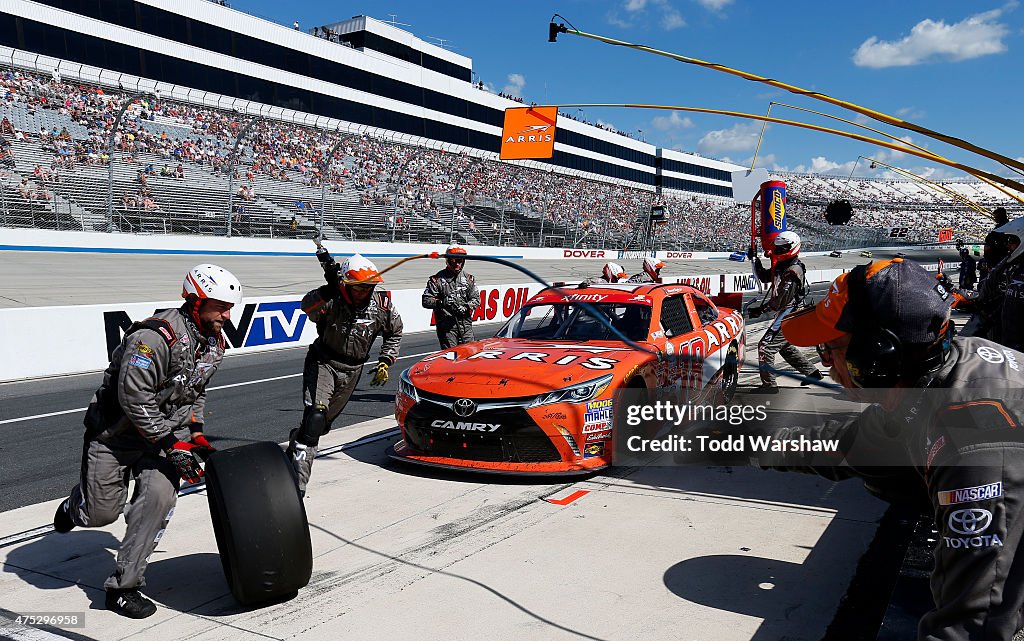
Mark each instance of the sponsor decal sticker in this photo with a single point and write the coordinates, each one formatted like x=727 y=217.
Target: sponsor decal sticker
x=990 y=355
x=140 y=361
x=144 y=350
x=596 y=426
x=969 y=494
x=555 y=416
x=166 y=333
x=599 y=436
x=593 y=450
x=971 y=524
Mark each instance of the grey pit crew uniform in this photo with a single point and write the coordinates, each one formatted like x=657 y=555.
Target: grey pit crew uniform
x=334 y=363
x=959 y=445
x=153 y=394
x=454 y=298
x=786 y=294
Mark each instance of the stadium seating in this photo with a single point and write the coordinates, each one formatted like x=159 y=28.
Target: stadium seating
x=172 y=173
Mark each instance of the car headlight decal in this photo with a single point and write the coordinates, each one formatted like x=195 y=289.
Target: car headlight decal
x=578 y=393
x=405 y=386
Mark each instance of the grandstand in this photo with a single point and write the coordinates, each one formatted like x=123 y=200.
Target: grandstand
x=186 y=160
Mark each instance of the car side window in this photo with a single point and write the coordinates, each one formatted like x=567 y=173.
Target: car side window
x=674 y=318
x=705 y=310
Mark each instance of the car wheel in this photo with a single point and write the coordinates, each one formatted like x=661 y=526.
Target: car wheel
x=730 y=375
x=259 y=522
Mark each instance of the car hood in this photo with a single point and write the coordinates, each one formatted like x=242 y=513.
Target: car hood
x=508 y=368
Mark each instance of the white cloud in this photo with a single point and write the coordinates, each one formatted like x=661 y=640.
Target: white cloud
x=822 y=165
x=516 y=82
x=930 y=40
x=715 y=5
x=740 y=137
x=671 y=122
x=637 y=13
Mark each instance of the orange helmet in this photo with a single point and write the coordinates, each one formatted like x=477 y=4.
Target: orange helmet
x=357 y=270
x=456 y=249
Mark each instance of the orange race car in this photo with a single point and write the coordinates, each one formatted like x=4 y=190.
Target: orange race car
x=538 y=397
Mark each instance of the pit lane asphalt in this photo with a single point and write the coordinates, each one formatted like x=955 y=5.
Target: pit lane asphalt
x=254 y=397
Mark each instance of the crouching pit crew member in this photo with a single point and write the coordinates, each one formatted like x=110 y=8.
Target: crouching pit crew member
x=145 y=423
x=349 y=315
x=454 y=297
x=949 y=417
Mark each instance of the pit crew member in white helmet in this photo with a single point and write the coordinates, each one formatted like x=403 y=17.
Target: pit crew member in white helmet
x=146 y=423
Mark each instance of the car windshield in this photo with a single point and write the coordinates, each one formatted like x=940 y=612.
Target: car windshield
x=565 y=321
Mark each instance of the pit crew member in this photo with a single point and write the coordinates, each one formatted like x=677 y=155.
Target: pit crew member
x=453 y=295
x=949 y=412
x=145 y=423
x=349 y=315
x=787 y=286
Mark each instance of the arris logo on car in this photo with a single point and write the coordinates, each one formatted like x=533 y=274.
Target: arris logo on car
x=464 y=407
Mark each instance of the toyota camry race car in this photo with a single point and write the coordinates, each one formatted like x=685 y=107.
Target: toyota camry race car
x=539 y=397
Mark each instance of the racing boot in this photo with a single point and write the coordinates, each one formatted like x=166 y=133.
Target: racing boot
x=302 y=461
x=816 y=375
x=765 y=389
x=62 y=522
x=130 y=603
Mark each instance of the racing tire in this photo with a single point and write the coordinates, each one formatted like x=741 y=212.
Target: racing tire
x=730 y=375
x=259 y=522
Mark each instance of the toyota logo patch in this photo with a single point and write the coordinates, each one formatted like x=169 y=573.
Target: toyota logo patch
x=970 y=521
x=464 y=407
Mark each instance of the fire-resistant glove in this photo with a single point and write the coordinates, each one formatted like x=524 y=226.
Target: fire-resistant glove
x=182 y=456
x=380 y=374
x=332 y=274
x=202 y=448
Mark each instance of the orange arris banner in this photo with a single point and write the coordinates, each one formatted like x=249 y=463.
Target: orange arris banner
x=529 y=132
x=945 y=234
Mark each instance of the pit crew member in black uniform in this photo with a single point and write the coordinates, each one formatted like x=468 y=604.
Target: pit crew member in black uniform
x=787 y=287
x=454 y=297
x=349 y=315
x=946 y=431
x=145 y=423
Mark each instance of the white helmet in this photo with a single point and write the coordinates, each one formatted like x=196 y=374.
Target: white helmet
x=787 y=245
x=652 y=266
x=209 y=281
x=1014 y=228
x=613 y=272
x=357 y=270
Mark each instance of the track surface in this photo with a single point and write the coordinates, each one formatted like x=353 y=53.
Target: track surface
x=36 y=279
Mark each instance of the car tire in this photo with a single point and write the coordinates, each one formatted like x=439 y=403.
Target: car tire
x=259 y=522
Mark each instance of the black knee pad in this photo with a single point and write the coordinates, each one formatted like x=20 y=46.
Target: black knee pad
x=314 y=424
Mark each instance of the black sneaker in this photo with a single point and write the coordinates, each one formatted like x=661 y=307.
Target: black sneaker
x=765 y=389
x=130 y=603
x=61 y=519
x=816 y=376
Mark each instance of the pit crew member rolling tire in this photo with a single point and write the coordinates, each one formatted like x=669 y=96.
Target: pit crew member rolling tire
x=260 y=523
x=349 y=315
x=145 y=423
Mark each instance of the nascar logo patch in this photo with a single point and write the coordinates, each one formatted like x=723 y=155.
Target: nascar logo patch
x=970 y=494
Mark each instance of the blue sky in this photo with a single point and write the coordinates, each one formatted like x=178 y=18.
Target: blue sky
x=954 y=67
